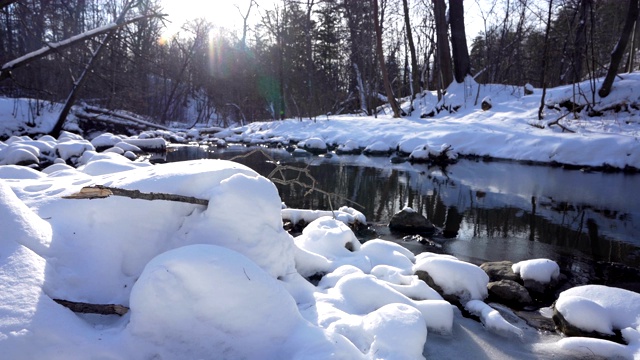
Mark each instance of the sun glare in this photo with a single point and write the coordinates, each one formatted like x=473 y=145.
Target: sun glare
x=223 y=14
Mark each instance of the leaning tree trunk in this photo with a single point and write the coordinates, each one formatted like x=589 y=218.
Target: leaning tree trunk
x=383 y=68
x=545 y=52
x=618 y=51
x=71 y=99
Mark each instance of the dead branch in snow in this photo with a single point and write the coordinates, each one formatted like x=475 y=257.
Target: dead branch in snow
x=86 y=308
x=101 y=192
x=557 y=122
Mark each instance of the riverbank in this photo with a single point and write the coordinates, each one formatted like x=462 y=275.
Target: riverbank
x=510 y=130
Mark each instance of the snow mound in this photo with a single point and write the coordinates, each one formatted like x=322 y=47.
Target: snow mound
x=394 y=331
x=600 y=308
x=328 y=237
x=213 y=302
x=492 y=319
x=461 y=279
x=358 y=293
x=69 y=148
x=345 y=214
x=540 y=270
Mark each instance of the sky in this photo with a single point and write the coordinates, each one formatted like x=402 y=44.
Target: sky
x=222 y=13
x=228 y=14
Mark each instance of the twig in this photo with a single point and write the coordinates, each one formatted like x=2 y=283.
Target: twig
x=557 y=122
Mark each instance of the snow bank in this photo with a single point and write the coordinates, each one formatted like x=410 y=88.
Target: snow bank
x=509 y=130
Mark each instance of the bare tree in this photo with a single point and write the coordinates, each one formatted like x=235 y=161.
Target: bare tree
x=415 y=79
x=544 y=61
x=245 y=19
x=385 y=77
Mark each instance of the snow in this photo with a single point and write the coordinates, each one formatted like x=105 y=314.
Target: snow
x=540 y=270
x=492 y=319
x=226 y=281
x=345 y=214
x=462 y=279
x=600 y=308
x=378 y=147
x=215 y=287
x=509 y=130
x=222 y=281
x=315 y=144
x=67 y=149
x=603 y=309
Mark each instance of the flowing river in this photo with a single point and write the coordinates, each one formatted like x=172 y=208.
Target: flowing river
x=487 y=211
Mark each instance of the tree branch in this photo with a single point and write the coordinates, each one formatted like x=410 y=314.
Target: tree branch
x=85 y=308
x=102 y=192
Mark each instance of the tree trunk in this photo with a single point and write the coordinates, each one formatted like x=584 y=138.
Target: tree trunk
x=543 y=80
x=618 y=51
x=383 y=68
x=415 y=78
x=579 y=48
x=461 y=62
x=71 y=99
x=443 y=51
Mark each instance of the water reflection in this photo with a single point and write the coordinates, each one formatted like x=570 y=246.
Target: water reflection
x=487 y=211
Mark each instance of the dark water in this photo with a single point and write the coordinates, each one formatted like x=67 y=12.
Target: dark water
x=488 y=211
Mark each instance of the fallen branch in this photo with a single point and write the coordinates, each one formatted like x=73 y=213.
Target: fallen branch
x=557 y=122
x=85 y=308
x=101 y=192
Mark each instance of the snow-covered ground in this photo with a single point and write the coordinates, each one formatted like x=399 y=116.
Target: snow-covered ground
x=509 y=130
x=226 y=281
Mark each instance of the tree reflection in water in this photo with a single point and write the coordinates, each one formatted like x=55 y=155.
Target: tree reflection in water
x=487 y=211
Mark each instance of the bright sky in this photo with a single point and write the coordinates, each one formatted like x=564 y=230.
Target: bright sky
x=221 y=13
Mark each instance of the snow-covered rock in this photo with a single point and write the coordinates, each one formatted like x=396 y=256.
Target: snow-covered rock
x=458 y=281
x=378 y=148
x=596 y=309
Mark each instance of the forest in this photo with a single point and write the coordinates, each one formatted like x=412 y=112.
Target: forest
x=303 y=58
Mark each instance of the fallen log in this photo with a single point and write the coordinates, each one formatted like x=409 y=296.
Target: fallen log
x=85 y=308
x=101 y=192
